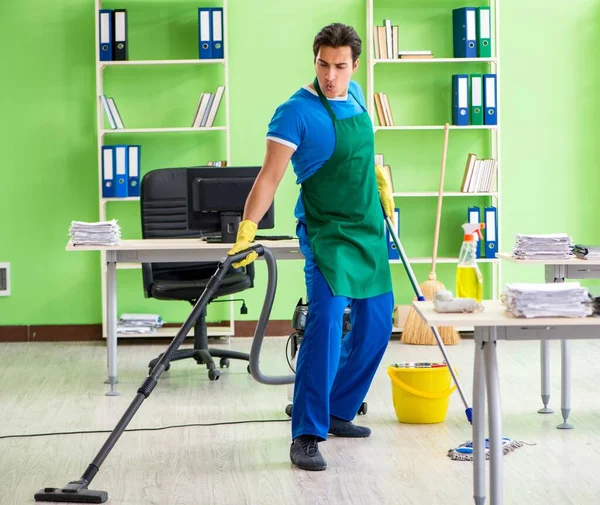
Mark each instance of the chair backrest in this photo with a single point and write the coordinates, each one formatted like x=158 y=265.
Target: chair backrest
x=163 y=203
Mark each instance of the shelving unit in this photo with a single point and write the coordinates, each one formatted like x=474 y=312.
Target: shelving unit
x=103 y=132
x=376 y=12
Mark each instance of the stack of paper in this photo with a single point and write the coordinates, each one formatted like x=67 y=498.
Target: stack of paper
x=139 y=324
x=553 y=246
x=100 y=233
x=567 y=299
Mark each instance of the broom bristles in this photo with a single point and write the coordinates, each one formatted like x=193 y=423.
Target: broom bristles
x=416 y=332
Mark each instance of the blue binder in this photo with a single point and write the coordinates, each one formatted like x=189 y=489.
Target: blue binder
x=205 y=32
x=217 y=32
x=133 y=170
x=121 y=171
x=464 y=26
x=490 y=116
x=474 y=216
x=491 y=232
x=460 y=99
x=106 y=34
x=108 y=172
x=393 y=252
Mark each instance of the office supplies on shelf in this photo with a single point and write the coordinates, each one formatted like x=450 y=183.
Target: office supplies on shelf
x=108 y=172
x=105 y=33
x=484 y=33
x=133 y=170
x=119 y=43
x=121 y=171
x=586 y=252
x=217 y=32
x=491 y=232
x=464 y=23
x=205 y=33
x=547 y=246
x=392 y=250
x=476 y=104
x=384 y=111
x=460 y=99
x=415 y=55
x=479 y=175
x=115 y=113
x=107 y=111
x=474 y=217
x=385 y=41
x=489 y=99
x=95 y=233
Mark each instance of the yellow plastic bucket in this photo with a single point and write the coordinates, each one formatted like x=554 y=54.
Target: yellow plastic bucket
x=421 y=395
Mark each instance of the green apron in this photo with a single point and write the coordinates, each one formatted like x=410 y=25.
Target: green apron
x=344 y=218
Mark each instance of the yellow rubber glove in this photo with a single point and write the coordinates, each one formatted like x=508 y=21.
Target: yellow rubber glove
x=245 y=236
x=385 y=193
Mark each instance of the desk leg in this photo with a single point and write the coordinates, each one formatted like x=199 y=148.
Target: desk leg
x=479 y=422
x=494 y=418
x=545 y=373
x=565 y=396
x=111 y=333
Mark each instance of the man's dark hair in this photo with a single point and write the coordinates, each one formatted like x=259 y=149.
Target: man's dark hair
x=338 y=35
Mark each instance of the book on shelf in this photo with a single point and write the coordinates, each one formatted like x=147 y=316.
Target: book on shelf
x=207 y=108
x=415 y=55
x=384 y=111
x=479 y=175
x=112 y=113
x=385 y=41
x=218 y=163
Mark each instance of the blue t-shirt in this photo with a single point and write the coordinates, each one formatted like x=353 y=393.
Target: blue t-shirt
x=303 y=124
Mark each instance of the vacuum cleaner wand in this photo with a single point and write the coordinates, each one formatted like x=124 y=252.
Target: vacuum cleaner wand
x=436 y=334
x=77 y=491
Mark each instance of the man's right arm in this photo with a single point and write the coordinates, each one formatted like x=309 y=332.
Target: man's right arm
x=277 y=158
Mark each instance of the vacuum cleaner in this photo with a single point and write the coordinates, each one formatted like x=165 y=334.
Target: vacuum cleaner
x=78 y=491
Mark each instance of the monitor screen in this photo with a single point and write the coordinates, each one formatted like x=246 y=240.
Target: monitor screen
x=216 y=200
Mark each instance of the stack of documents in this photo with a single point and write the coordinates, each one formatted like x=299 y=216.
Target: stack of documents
x=100 y=233
x=586 y=252
x=567 y=299
x=139 y=324
x=553 y=246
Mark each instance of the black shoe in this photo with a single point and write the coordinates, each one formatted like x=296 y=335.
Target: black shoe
x=341 y=428
x=304 y=453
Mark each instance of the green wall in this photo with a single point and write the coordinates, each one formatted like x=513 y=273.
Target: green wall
x=49 y=169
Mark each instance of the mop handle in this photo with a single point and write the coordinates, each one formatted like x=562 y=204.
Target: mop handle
x=420 y=297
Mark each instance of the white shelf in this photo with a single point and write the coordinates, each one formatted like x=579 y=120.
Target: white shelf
x=129 y=63
x=416 y=194
x=125 y=199
x=435 y=127
x=163 y=130
x=171 y=331
x=450 y=261
x=129 y=266
x=435 y=60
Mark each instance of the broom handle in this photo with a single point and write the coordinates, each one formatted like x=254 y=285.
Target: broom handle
x=438 y=215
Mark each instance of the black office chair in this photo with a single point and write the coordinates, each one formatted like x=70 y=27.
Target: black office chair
x=164 y=215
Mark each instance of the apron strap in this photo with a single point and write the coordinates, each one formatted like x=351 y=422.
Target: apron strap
x=325 y=102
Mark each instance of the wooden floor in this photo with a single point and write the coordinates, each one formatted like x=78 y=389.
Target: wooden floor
x=49 y=387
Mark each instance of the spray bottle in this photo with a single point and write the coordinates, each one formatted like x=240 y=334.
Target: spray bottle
x=469 y=281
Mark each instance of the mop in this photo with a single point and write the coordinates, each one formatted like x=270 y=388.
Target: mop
x=463 y=452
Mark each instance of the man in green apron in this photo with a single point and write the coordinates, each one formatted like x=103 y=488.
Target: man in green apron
x=325 y=130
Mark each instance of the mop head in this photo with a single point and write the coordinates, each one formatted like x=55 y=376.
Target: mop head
x=464 y=452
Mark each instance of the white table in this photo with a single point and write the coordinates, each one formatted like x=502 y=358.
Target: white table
x=491 y=325
x=162 y=250
x=558 y=270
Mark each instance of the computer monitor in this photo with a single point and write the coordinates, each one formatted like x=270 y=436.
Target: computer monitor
x=216 y=200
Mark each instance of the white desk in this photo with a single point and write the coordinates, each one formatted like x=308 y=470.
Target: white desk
x=491 y=325
x=557 y=271
x=162 y=250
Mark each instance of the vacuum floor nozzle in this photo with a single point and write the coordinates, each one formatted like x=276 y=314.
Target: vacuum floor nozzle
x=66 y=495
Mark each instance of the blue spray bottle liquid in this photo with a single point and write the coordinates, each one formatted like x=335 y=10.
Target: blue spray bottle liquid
x=469 y=281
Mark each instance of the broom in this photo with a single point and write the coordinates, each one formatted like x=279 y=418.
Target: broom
x=415 y=330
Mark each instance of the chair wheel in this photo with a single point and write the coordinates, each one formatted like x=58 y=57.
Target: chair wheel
x=248 y=369
x=224 y=363
x=363 y=409
x=214 y=375
x=288 y=409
